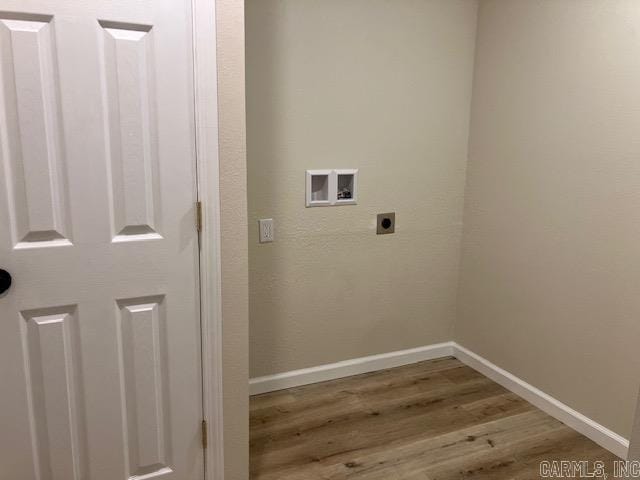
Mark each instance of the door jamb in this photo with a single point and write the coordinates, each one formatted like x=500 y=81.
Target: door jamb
x=634 y=441
x=206 y=127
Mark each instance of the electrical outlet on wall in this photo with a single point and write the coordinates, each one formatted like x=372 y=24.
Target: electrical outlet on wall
x=266 y=230
x=386 y=223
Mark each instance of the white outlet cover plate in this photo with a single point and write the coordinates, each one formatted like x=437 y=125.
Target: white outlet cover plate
x=266 y=230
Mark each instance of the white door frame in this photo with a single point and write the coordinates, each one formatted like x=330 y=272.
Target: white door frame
x=206 y=127
x=634 y=441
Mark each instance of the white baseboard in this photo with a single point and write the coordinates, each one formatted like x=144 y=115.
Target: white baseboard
x=347 y=368
x=589 y=428
x=580 y=423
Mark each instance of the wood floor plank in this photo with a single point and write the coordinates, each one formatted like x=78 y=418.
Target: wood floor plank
x=400 y=418
x=434 y=420
x=412 y=457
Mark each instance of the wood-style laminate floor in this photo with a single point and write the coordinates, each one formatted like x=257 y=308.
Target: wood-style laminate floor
x=435 y=420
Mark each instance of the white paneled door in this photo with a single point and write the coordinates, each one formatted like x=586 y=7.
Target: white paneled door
x=100 y=374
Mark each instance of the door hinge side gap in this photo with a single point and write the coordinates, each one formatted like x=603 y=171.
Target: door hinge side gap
x=204 y=434
x=199 y=216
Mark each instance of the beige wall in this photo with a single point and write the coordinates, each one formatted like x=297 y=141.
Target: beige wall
x=551 y=256
x=233 y=194
x=371 y=84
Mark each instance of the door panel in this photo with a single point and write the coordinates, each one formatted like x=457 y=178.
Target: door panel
x=130 y=78
x=100 y=332
x=33 y=141
x=144 y=369
x=51 y=352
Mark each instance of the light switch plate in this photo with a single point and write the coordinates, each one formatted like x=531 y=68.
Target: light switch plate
x=266 y=230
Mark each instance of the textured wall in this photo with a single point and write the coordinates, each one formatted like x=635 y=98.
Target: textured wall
x=233 y=204
x=371 y=84
x=550 y=284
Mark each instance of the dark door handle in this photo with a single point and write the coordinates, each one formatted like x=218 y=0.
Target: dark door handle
x=5 y=281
